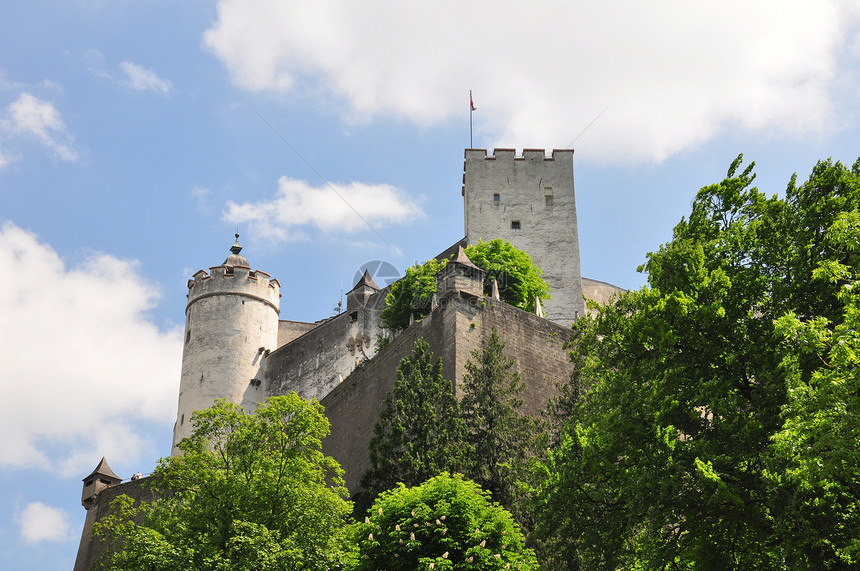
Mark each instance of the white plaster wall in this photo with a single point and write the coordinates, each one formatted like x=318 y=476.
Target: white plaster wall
x=548 y=228
x=230 y=323
x=318 y=361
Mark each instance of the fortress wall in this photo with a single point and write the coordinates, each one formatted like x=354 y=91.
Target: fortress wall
x=89 y=549
x=290 y=330
x=535 y=345
x=600 y=292
x=316 y=362
x=353 y=407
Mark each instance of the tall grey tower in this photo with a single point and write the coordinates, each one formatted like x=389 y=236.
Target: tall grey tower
x=529 y=201
x=231 y=325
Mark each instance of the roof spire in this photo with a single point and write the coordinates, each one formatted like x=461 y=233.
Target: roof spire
x=235 y=258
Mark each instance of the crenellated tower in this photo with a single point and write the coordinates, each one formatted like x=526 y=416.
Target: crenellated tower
x=529 y=200
x=231 y=325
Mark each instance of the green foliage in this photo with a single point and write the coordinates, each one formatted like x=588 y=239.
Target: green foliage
x=420 y=430
x=816 y=465
x=445 y=523
x=519 y=280
x=500 y=437
x=250 y=491
x=683 y=391
x=411 y=295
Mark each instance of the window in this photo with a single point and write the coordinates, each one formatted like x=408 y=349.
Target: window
x=548 y=199
x=496 y=198
x=515 y=224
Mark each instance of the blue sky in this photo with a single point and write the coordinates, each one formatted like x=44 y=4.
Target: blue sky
x=135 y=137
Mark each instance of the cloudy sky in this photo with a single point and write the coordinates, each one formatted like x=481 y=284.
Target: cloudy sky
x=136 y=137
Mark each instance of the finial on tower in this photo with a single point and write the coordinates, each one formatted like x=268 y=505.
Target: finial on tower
x=235 y=258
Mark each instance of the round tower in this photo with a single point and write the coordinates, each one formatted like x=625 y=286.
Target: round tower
x=231 y=324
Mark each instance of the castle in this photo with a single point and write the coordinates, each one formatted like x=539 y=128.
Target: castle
x=237 y=346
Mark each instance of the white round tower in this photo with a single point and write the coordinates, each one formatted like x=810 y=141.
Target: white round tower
x=231 y=323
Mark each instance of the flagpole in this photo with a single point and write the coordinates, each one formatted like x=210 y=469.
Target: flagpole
x=472 y=109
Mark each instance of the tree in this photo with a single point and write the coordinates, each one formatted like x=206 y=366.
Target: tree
x=411 y=295
x=816 y=464
x=518 y=278
x=663 y=462
x=447 y=522
x=250 y=491
x=420 y=431
x=499 y=435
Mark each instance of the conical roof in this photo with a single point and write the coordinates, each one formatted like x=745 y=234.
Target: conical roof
x=366 y=280
x=103 y=469
x=235 y=258
x=463 y=259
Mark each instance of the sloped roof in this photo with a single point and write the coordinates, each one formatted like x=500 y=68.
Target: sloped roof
x=463 y=259
x=366 y=280
x=103 y=469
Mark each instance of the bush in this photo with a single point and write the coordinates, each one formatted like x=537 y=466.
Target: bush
x=447 y=522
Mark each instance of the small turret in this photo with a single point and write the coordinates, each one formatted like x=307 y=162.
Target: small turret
x=100 y=478
x=361 y=293
x=460 y=277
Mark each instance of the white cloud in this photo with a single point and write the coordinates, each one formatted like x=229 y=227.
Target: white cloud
x=331 y=208
x=40 y=522
x=82 y=363
x=670 y=75
x=143 y=79
x=6 y=85
x=202 y=195
x=30 y=116
x=130 y=74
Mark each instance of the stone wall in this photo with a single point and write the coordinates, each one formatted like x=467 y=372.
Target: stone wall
x=290 y=330
x=89 y=549
x=316 y=362
x=600 y=292
x=453 y=333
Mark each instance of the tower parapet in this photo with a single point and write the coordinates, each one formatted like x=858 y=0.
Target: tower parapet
x=231 y=323
x=529 y=200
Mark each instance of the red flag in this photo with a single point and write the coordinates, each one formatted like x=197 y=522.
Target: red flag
x=472 y=102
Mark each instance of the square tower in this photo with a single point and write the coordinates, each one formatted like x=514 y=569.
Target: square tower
x=529 y=201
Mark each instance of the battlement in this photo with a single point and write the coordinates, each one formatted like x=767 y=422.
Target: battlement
x=512 y=155
x=234 y=280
